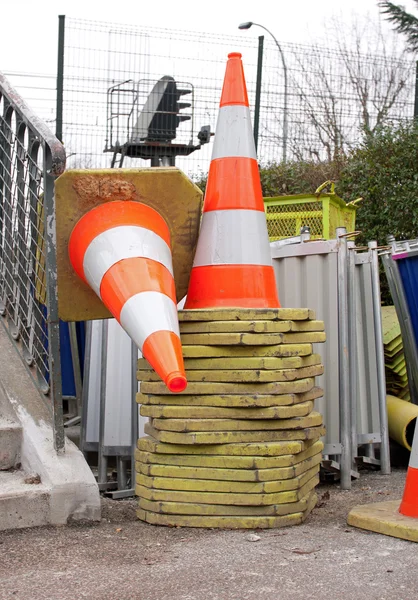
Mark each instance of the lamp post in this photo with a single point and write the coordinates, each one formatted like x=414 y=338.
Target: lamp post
x=247 y=25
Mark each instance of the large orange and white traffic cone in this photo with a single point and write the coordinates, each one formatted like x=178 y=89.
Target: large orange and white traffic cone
x=232 y=265
x=122 y=250
x=409 y=504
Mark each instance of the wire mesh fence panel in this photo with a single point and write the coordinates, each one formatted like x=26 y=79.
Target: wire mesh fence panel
x=115 y=77
x=30 y=158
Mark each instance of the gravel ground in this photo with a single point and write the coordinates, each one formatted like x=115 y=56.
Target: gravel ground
x=121 y=558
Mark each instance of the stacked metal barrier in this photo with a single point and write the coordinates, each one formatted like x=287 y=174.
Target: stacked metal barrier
x=241 y=446
x=341 y=282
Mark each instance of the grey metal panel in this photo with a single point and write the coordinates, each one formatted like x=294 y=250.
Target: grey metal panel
x=310 y=281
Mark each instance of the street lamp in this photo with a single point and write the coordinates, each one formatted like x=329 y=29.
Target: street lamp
x=247 y=25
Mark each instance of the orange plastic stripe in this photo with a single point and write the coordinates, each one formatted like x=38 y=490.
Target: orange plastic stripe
x=162 y=350
x=234 y=90
x=132 y=276
x=232 y=286
x=233 y=183
x=109 y=215
x=409 y=504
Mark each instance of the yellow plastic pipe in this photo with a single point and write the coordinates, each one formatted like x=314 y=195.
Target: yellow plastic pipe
x=402 y=417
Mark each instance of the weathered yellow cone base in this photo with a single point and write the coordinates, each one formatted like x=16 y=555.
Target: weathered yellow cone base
x=244 y=401
x=243 y=499
x=232 y=487
x=229 y=376
x=233 y=462
x=190 y=508
x=254 y=475
x=251 y=339
x=243 y=363
x=220 y=522
x=209 y=412
x=230 y=425
x=250 y=326
x=280 y=350
x=269 y=449
x=385 y=518
x=232 y=437
x=246 y=314
x=209 y=387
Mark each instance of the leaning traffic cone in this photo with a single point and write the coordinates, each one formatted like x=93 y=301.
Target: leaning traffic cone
x=232 y=265
x=122 y=250
x=388 y=517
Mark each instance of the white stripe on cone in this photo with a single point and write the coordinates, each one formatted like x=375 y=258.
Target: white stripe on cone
x=234 y=134
x=126 y=241
x=233 y=237
x=413 y=458
x=148 y=312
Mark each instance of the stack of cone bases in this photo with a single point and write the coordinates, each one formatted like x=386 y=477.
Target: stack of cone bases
x=240 y=448
x=122 y=250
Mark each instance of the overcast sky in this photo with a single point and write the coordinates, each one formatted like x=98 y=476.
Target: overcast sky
x=28 y=40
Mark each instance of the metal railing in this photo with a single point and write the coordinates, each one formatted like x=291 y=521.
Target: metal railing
x=31 y=158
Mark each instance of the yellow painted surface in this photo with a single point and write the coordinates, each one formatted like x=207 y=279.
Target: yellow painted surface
x=238 y=499
x=385 y=518
x=228 y=437
x=251 y=339
x=400 y=416
x=277 y=350
x=235 y=326
x=234 y=462
x=206 y=387
x=167 y=190
x=244 y=363
x=214 y=412
x=219 y=425
x=193 y=508
x=251 y=376
x=218 y=522
x=254 y=475
x=246 y=314
x=255 y=401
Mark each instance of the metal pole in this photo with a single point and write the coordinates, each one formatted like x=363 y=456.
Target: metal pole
x=60 y=77
x=134 y=423
x=258 y=89
x=380 y=362
x=344 y=363
x=85 y=388
x=416 y=92
x=102 y=466
x=352 y=311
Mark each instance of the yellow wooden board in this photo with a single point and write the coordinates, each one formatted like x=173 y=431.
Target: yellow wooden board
x=227 y=437
x=252 y=401
x=220 y=522
x=251 y=376
x=193 y=508
x=232 y=462
x=167 y=190
x=254 y=475
x=191 y=425
x=269 y=449
x=229 y=487
x=250 y=326
x=385 y=518
x=244 y=363
x=251 y=339
x=214 y=412
x=277 y=350
x=246 y=314
x=207 y=387
x=238 y=499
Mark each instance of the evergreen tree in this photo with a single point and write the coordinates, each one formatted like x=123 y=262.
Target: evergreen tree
x=403 y=21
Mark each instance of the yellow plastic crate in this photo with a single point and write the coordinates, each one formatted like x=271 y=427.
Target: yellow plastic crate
x=321 y=212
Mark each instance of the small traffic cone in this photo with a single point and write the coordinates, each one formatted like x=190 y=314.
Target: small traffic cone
x=232 y=265
x=409 y=504
x=122 y=250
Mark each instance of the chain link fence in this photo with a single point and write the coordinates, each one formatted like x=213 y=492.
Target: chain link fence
x=331 y=93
